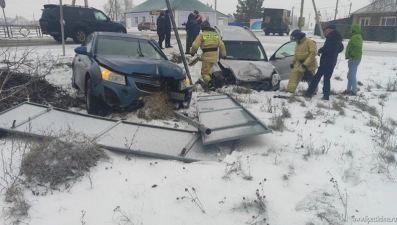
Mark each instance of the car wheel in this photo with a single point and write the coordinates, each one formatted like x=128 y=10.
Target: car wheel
x=79 y=36
x=267 y=33
x=58 y=38
x=281 y=34
x=277 y=87
x=92 y=103
x=287 y=32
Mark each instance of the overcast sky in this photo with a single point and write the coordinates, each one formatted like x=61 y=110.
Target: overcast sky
x=28 y=8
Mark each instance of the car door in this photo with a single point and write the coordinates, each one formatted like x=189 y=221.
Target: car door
x=82 y=64
x=282 y=58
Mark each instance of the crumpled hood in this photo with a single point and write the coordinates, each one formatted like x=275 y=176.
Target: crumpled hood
x=129 y=65
x=249 y=70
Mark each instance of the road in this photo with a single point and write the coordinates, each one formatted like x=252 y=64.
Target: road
x=270 y=43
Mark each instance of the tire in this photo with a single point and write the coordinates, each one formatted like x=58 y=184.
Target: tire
x=267 y=33
x=281 y=34
x=58 y=38
x=79 y=36
x=277 y=87
x=93 y=104
x=287 y=32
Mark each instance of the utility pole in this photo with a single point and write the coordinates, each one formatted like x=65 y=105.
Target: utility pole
x=3 y=5
x=215 y=5
x=350 y=9
x=336 y=9
x=172 y=17
x=62 y=30
x=301 y=15
x=318 y=21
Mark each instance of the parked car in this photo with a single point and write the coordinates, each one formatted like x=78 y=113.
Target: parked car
x=79 y=22
x=117 y=70
x=147 y=26
x=246 y=62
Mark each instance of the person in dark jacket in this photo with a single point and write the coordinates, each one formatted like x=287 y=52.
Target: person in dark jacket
x=192 y=30
x=167 y=30
x=329 y=56
x=161 y=29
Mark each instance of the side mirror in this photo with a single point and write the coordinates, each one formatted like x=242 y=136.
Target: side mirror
x=82 y=50
x=280 y=56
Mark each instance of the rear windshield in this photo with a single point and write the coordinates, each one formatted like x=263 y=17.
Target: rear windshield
x=50 y=13
x=245 y=50
x=127 y=47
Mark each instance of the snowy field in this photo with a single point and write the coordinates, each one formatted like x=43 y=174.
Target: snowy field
x=329 y=162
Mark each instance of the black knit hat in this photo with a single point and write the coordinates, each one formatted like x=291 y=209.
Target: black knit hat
x=195 y=11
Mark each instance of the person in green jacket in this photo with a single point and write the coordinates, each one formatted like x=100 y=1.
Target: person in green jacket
x=354 y=52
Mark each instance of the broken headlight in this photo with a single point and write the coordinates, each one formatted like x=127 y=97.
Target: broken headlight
x=112 y=76
x=275 y=78
x=184 y=84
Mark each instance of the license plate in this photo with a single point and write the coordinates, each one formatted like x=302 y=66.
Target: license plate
x=177 y=96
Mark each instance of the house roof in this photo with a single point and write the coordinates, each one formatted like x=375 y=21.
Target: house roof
x=378 y=7
x=182 y=5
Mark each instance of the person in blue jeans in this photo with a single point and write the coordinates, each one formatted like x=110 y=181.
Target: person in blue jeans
x=354 y=52
x=329 y=55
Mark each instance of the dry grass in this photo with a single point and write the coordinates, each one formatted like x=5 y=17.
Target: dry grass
x=309 y=115
x=277 y=123
x=242 y=90
x=366 y=108
x=60 y=160
x=322 y=106
x=339 y=106
x=19 y=207
x=156 y=107
x=286 y=113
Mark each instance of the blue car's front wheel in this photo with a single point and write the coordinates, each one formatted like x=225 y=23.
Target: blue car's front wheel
x=93 y=104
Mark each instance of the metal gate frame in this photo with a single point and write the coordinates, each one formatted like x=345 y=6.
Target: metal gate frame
x=194 y=146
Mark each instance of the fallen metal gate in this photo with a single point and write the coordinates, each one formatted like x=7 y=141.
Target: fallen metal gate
x=168 y=143
x=221 y=119
x=227 y=119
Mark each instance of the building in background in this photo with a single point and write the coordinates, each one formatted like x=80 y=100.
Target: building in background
x=150 y=10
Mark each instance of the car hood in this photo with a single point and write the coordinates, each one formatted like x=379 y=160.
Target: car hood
x=249 y=70
x=130 y=65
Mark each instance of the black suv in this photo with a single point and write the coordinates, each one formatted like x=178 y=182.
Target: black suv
x=79 y=22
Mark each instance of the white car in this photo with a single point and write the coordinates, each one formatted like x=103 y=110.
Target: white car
x=246 y=62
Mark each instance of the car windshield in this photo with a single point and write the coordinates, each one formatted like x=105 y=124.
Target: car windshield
x=245 y=50
x=131 y=47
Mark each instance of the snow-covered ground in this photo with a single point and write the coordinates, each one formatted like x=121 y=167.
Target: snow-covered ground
x=293 y=168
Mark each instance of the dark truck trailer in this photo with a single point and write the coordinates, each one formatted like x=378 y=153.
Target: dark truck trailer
x=276 y=21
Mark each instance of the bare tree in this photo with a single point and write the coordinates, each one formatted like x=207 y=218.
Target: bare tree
x=116 y=9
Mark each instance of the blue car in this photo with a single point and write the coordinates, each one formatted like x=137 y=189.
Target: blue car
x=117 y=70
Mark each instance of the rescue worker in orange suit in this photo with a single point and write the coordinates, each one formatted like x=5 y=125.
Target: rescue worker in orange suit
x=209 y=41
x=304 y=63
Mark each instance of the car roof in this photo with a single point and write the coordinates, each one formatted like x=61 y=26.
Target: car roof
x=47 y=6
x=116 y=34
x=235 y=33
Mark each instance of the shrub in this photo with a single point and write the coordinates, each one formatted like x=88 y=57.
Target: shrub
x=156 y=106
x=59 y=160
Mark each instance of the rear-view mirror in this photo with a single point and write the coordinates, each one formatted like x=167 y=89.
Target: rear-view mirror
x=82 y=50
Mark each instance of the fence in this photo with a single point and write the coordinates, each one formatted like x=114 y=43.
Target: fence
x=20 y=31
x=369 y=33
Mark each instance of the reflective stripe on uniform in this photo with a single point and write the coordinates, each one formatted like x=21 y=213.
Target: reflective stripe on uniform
x=210 y=36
